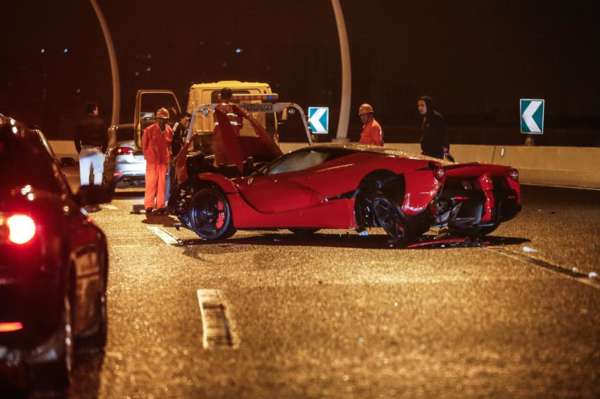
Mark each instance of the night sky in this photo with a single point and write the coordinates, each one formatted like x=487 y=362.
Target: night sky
x=476 y=59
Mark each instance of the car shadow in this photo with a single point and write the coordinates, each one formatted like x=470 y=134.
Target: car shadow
x=119 y=194
x=346 y=240
x=162 y=220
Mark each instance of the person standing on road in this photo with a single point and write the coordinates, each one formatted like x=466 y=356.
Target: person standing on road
x=179 y=135
x=434 y=141
x=371 y=133
x=180 y=132
x=156 y=141
x=91 y=139
x=226 y=145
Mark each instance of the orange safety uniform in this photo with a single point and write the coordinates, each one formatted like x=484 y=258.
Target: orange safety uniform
x=156 y=144
x=226 y=134
x=371 y=133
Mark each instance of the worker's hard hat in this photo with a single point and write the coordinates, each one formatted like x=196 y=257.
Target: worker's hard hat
x=365 y=109
x=162 y=113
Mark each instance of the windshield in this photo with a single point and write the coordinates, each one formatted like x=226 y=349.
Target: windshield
x=302 y=160
x=125 y=134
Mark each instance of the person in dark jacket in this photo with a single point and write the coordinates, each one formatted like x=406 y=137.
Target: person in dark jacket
x=434 y=141
x=180 y=132
x=179 y=136
x=91 y=139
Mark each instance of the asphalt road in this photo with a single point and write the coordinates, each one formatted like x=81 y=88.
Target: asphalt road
x=342 y=316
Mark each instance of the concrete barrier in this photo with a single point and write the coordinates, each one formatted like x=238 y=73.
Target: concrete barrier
x=547 y=166
x=553 y=166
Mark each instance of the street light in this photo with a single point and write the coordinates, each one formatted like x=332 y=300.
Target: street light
x=342 y=131
x=114 y=67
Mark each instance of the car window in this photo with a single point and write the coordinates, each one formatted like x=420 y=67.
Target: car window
x=125 y=134
x=24 y=160
x=297 y=161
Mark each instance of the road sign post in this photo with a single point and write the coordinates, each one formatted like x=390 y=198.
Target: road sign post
x=532 y=115
x=318 y=120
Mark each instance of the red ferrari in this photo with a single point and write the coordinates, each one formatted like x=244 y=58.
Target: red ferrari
x=354 y=187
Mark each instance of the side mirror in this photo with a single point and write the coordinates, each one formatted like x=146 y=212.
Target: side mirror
x=93 y=195
x=67 y=162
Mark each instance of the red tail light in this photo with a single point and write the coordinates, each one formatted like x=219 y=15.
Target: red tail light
x=10 y=326
x=124 y=150
x=21 y=229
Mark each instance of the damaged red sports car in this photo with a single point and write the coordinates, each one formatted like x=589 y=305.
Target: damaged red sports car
x=350 y=187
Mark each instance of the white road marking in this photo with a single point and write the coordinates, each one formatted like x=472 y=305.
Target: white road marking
x=572 y=273
x=109 y=207
x=163 y=235
x=217 y=327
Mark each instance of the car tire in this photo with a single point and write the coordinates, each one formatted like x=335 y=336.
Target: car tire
x=209 y=214
x=96 y=341
x=303 y=232
x=391 y=219
x=56 y=374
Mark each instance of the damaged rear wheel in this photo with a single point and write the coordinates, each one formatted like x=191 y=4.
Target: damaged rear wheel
x=391 y=219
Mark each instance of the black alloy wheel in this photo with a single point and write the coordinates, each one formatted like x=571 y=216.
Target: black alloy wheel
x=209 y=214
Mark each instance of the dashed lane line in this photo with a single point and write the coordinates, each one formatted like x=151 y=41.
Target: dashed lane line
x=109 y=207
x=165 y=236
x=564 y=271
x=217 y=328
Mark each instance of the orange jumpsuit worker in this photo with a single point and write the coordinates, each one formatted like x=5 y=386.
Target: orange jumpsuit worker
x=156 y=142
x=371 y=133
x=229 y=119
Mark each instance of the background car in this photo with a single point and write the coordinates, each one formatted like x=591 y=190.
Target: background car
x=125 y=164
x=53 y=264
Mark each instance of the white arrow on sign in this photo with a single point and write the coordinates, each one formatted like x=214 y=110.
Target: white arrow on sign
x=528 y=116
x=315 y=120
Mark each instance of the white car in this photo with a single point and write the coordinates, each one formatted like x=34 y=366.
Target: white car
x=130 y=165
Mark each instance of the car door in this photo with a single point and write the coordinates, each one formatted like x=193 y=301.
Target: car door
x=282 y=187
x=146 y=104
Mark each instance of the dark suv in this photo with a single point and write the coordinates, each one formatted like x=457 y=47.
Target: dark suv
x=53 y=264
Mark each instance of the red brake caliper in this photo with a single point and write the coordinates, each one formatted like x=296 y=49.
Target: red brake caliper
x=221 y=214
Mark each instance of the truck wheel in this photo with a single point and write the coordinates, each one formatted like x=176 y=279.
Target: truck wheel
x=209 y=214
